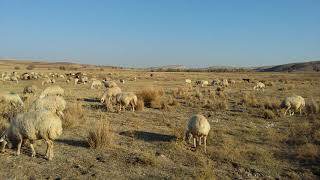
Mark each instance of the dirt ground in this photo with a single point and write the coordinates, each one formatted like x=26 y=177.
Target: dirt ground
x=246 y=140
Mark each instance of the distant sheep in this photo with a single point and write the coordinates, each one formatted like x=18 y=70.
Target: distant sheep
x=96 y=84
x=30 y=89
x=202 y=83
x=33 y=126
x=125 y=99
x=259 y=86
x=188 y=81
x=293 y=102
x=110 y=93
x=52 y=91
x=121 y=81
x=225 y=83
x=198 y=127
x=48 y=81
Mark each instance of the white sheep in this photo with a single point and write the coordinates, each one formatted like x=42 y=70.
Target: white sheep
x=110 y=93
x=48 y=81
x=198 y=127
x=293 y=102
x=125 y=99
x=96 y=84
x=259 y=86
x=52 y=91
x=109 y=84
x=12 y=98
x=202 y=83
x=225 y=83
x=54 y=104
x=33 y=126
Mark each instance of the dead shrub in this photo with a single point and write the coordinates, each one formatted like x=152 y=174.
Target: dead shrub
x=221 y=94
x=73 y=115
x=100 y=136
x=250 y=99
x=220 y=88
x=268 y=114
x=179 y=93
x=140 y=105
x=271 y=104
x=307 y=151
x=269 y=83
x=151 y=97
x=312 y=107
x=108 y=105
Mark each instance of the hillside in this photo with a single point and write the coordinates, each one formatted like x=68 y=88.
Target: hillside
x=292 y=67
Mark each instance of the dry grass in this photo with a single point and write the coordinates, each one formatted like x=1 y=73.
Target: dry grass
x=151 y=97
x=73 y=115
x=140 y=105
x=307 y=151
x=250 y=100
x=312 y=107
x=268 y=114
x=100 y=136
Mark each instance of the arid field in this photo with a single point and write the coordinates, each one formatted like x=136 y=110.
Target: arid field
x=250 y=138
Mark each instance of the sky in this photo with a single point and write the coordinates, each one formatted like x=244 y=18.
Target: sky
x=144 y=33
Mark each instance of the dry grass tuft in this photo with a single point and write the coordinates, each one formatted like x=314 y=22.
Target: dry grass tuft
x=268 y=114
x=250 y=100
x=151 y=97
x=140 y=105
x=100 y=136
x=108 y=105
x=312 y=107
x=73 y=115
x=307 y=151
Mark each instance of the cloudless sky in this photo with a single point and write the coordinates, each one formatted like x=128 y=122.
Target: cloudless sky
x=142 y=33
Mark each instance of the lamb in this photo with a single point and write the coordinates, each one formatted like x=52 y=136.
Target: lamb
x=198 y=127
x=12 y=98
x=293 y=102
x=126 y=98
x=30 y=89
x=259 y=86
x=110 y=93
x=96 y=84
x=35 y=125
x=54 y=104
x=52 y=91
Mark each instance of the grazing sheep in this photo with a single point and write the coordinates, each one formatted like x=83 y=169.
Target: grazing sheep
x=48 y=81
x=109 y=84
x=14 y=78
x=259 y=86
x=198 y=127
x=202 y=83
x=188 y=81
x=96 y=84
x=54 y=104
x=293 y=102
x=126 y=98
x=30 y=89
x=231 y=81
x=52 y=91
x=215 y=82
x=110 y=93
x=33 y=126
x=225 y=83
x=121 y=81
x=12 y=98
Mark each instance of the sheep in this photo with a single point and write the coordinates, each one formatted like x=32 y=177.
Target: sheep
x=202 y=83
x=126 y=98
x=96 y=83
x=52 y=91
x=30 y=89
x=121 y=81
x=293 y=102
x=110 y=93
x=259 y=86
x=54 y=104
x=224 y=83
x=34 y=125
x=12 y=98
x=48 y=81
x=109 y=84
x=215 y=82
x=198 y=127
x=188 y=81
x=14 y=78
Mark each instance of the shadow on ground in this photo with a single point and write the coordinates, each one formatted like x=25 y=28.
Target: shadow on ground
x=148 y=136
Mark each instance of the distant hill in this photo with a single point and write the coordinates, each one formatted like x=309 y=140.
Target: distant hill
x=292 y=67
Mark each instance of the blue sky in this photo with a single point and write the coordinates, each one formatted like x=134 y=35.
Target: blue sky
x=143 y=33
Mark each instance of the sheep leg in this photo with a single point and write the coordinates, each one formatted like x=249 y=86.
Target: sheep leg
x=32 y=149
x=200 y=141
x=194 y=142
x=19 y=146
x=51 y=151
x=47 y=151
x=285 y=112
x=3 y=148
x=205 y=144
